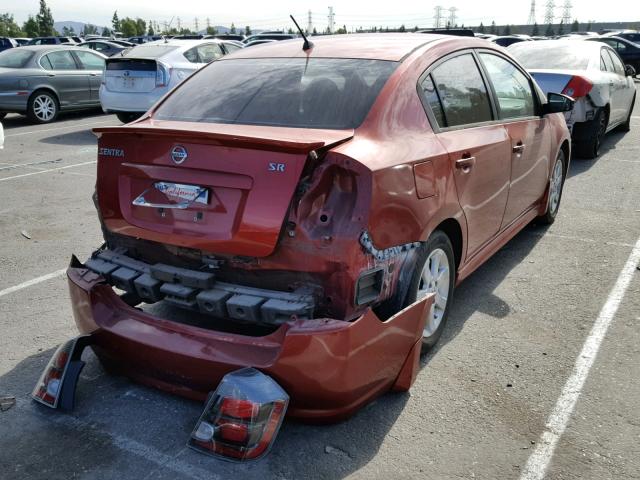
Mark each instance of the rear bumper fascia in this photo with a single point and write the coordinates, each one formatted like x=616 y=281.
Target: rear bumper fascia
x=330 y=368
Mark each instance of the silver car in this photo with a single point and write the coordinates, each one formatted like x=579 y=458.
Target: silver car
x=42 y=80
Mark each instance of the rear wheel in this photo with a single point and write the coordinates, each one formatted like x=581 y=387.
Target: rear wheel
x=128 y=117
x=590 y=134
x=43 y=107
x=626 y=126
x=556 y=182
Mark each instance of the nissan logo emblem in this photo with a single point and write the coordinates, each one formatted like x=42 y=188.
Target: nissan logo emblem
x=178 y=154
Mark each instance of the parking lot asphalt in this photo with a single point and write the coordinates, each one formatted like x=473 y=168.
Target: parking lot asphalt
x=480 y=404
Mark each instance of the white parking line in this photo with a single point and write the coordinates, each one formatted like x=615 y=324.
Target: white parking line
x=75 y=125
x=557 y=422
x=33 y=281
x=46 y=171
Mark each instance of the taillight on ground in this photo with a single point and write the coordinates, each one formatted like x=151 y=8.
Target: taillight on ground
x=577 y=87
x=242 y=417
x=49 y=386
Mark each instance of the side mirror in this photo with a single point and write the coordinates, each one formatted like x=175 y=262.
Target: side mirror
x=557 y=103
x=629 y=71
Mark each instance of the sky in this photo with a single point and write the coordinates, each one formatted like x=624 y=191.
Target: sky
x=355 y=13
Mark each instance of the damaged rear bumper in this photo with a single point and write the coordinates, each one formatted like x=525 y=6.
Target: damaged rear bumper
x=330 y=368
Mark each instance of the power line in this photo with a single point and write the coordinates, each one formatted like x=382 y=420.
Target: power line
x=437 y=18
x=532 y=13
x=549 y=15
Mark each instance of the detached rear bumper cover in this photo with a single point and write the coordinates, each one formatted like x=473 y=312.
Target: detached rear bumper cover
x=330 y=368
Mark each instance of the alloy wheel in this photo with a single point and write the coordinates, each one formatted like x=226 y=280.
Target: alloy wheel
x=555 y=187
x=435 y=278
x=44 y=108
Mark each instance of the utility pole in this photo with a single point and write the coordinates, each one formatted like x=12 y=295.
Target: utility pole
x=437 y=18
x=331 y=19
x=195 y=22
x=452 y=16
x=532 y=13
x=309 y=24
x=566 y=12
x=549 y=16
x=179 y=24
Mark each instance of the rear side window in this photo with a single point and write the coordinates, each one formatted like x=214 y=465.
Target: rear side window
x=210 y=52
x=433 y=101
x=604 y=55
x=512 y=88
x=231 y=47
x=332 y=93
x=59 y=61
x=462 y=91
x=90 y=61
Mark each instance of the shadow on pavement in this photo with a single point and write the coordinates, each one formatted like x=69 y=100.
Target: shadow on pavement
x=580 y=165
x=83 y=137
x=16 y=121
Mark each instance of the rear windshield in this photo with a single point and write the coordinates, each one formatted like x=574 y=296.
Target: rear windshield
x=15 y=58
x=149 y=51
x=552 y=57
x=287 y=92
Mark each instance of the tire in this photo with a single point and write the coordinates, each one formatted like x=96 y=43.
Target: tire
x=556 y=184
x=2 y=115
x=43 y=107
x=437 y=248
x=128 y=117
x=589 y=135
x=626 y=126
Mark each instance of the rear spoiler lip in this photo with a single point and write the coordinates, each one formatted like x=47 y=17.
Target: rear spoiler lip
x=332 y=137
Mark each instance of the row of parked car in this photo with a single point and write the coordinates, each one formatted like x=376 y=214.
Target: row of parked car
x=42 y=80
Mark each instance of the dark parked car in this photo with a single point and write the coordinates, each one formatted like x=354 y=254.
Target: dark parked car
x=104 y=47
x=229 y=36
x=507 y=40
x=6 y=43
x=631 y=36
x=52 y=41
x=22 y=41
x=144 y=39
x=307 y=214
x=42 y=80
x=268 y=36
x=629 y=51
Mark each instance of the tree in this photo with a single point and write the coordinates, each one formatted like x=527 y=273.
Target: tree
x=315 y=32
x=507 y=30
x=8 y=26
x=535 y=31
x=115 y=22
x=561 y=28
x=415 y=29
x=44 y=19
x=492 y=29
x=575 y=26
x=211 y=31
x=30 y=27
x=549 y=32
x=151 y=31
x=89 y=30
x=106 y=32
x=481 y=28
x=141 y=26
x=128 y=27
x=233 y=28
x=402 y=29
x=247 y=30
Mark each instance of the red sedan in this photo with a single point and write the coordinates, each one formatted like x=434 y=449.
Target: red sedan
x=312 y=211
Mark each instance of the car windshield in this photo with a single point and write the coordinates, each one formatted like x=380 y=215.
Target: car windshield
x=551 y=57
x=289 y=92
x=150 y=51
x=15 y=58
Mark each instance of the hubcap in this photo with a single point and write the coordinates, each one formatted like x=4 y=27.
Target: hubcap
x=556 y=187
x=435 y=278
x=44 y=108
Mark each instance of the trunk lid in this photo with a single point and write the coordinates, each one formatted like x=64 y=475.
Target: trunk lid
x=554 y=80
x=244 y=177
x=130 y=75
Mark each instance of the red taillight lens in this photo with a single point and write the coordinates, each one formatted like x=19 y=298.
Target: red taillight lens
x=242 y=418
x=47 y=390
x=577 y=87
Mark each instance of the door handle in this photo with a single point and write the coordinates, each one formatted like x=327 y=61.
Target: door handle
x=466 y=163
x=518 y=148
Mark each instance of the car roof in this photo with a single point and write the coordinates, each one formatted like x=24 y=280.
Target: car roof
x=183 y=42
x=374 y=46
x=58 y=46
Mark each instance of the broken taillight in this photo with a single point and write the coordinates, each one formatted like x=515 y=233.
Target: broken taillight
x=577 y=87
x=242 y=417
x=49 y=386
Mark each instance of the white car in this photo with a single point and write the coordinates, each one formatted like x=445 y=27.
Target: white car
x=135 y=81
x=1 y=137
x=594 y=75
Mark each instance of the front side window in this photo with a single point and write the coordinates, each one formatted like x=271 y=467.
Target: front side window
x=209 y=53
x=512 y=88
x=332 y=93
x=462 y=91
x=90 y=61
x=62 y=60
